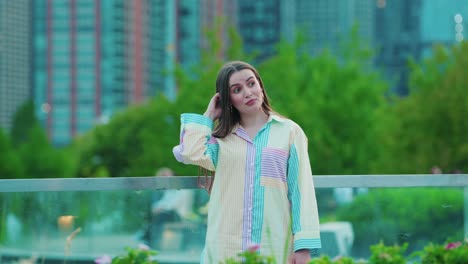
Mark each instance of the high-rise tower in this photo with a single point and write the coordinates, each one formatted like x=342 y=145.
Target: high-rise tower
x=95 y=57
x=15 y=58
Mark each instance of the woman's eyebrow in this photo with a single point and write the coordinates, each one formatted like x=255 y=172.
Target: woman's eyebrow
x=234 y=84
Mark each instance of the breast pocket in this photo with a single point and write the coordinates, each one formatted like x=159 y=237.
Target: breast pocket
x=274 y=167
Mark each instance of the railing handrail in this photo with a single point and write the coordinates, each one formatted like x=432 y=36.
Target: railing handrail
x=190 y=182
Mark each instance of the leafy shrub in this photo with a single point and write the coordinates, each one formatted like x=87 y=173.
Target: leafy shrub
x=452 y=253
x=252 y=256
x=140 y=255
x=382 y=254
x=337 y=260
x=404 y=216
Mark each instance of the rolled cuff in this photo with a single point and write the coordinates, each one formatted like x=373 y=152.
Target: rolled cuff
x=310 y=244
x=197 y=119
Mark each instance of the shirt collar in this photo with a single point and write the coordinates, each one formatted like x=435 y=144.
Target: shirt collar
x=275 y=117
x=271 y=117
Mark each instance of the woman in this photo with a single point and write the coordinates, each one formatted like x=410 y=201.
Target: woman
x=262 y=193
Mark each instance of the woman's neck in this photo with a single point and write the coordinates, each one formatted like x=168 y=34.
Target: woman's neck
x=257 y=120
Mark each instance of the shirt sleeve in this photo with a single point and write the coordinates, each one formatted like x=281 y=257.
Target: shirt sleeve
x=197 y=146
x=301 y=194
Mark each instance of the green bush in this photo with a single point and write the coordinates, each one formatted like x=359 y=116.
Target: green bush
x=337 y=260
x=452 y=253
x=404 y=216
x=141 y=255
x=448 y=253
x=252 y=256
x=382 y=254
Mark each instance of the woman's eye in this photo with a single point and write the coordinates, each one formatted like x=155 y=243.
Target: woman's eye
x=236 y=90
x=251 y=84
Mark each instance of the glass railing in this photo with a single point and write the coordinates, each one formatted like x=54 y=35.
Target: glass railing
x=79 y=220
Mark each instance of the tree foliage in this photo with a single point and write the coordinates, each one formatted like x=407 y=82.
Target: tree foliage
x=10 y=163
x=39 y=158
x=429 y=126
x=135 y=142
x=23 y=120
x=339 y=101
x=335 y=100
x=389 y=215
x=31 y=148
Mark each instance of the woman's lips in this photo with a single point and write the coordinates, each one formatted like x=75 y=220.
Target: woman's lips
x=251 y=102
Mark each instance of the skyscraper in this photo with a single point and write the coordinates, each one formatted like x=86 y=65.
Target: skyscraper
x=217 y=15
x=68 y=60
x=398 y=37
x=259 y=24
x=188 y=33
x=325 y=24
x=15 y=58
x=410 y=29
x=160 y=25
x=95 y=57
x=451 y=26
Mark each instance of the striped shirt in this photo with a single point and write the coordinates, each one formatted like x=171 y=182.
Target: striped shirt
x=263 y=193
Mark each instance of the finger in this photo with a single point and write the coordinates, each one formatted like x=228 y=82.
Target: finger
x=212 y=102
x=215 y=98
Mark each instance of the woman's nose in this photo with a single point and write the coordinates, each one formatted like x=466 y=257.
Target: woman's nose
x=248 y=92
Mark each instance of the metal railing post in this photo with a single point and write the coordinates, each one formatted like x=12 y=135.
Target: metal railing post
x=465 y=215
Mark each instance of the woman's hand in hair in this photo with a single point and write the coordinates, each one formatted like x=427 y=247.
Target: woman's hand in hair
x=214 y=108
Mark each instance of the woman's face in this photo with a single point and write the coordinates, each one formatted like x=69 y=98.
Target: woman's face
x=245 y=92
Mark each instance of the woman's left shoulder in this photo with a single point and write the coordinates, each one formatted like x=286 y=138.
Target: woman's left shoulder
x=288 y=126
x=291 y=124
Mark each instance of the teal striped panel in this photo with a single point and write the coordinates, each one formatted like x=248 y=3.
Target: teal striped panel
x=197 y=119
x=293 y=189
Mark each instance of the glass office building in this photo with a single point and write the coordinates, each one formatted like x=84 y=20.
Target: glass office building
x=71 y=93
x=15 y=58
x=259 y=25
x=407 y=30
x=93 y=58
x=451 y=26
x=325 y=24
x=328 y=24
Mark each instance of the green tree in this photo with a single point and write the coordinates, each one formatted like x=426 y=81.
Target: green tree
x=136 y=141
x=10 y=163
x=389 y=215
x=39 y=158
x=23 y=120
x=87 y=163
x=336 y=102
x=429 y=126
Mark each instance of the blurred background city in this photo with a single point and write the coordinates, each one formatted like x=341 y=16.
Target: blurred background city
x=95 y=88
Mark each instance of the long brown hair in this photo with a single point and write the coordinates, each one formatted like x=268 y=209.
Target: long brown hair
x=229 y=115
